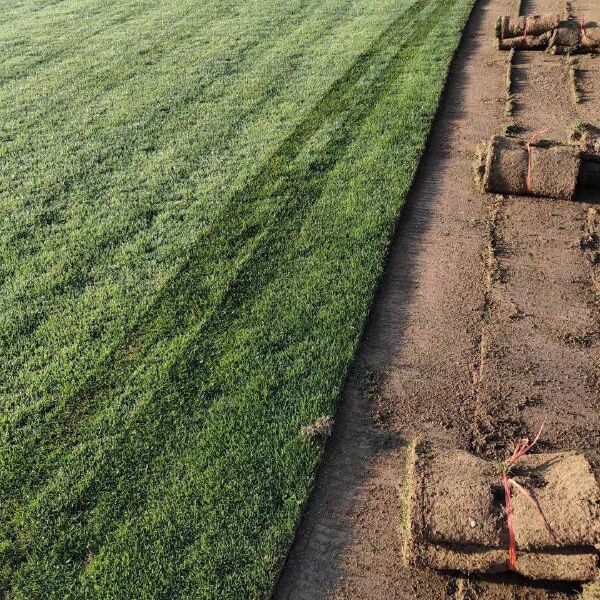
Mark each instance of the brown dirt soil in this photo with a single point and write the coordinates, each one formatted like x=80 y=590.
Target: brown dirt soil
x=487 y=323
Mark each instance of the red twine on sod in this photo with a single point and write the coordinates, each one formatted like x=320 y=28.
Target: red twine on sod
x=522 y=447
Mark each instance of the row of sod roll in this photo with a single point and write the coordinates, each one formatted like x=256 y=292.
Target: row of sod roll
x=549 y=33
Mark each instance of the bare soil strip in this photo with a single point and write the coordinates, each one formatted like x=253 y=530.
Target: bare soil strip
x=486 y=324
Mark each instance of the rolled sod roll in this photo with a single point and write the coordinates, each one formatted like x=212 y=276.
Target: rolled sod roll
x=505 y=166
x=534 y=25
x=458 y=519
x=542 y=168
x=510 y=27
x=565 y=38
x=554 y=170
x=526 y=42
x=538 y=24
x=590 y=38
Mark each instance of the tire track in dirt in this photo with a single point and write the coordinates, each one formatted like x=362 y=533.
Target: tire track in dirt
x=484 y=325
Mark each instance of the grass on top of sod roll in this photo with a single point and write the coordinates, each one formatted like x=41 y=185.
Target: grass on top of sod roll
x=196 y=202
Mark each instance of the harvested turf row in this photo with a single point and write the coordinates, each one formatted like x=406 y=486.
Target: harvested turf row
x=140 y=426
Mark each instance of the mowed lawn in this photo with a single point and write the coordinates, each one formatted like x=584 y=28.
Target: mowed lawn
x=196 y=201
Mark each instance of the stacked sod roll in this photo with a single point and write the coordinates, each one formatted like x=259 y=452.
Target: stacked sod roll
x=549 y=33
x=540 y=168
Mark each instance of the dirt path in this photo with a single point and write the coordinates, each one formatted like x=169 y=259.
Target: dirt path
x=486 y=323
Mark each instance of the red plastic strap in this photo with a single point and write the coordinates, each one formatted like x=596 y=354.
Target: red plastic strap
x=521 y=448
x=582 y=27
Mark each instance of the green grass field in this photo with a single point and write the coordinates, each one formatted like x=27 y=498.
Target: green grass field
x=196 y=201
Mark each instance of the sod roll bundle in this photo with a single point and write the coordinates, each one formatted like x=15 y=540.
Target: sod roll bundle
x=532 y=32
x=541 y=168
x=458 y=519
x=528 y=25
x=547 y=32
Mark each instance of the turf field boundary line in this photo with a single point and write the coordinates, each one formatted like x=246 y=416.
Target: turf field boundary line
x=435 y=118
